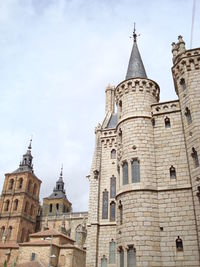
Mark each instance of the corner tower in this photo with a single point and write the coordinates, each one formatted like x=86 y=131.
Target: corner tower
x=19 y=202
x=137 y=203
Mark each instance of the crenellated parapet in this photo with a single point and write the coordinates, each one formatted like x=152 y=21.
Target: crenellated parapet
x=137 y=85
x=108 y=138
x=165 y=107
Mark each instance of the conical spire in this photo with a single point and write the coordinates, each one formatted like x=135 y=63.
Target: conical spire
x=135 y=67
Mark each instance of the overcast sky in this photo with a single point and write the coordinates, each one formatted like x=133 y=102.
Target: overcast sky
x=56 y=59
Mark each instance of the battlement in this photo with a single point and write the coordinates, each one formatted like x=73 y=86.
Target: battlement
x=165 y=107
x=137 y=85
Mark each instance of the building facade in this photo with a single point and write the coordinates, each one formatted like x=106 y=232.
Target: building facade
x=144 y=203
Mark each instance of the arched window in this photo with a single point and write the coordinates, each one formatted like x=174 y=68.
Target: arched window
x=131 y=256
x=112 y=252
x=26 y=207
x=167 y=123
x=112 y=211
x=121 y=257
x=29 y=186
x=20 y=184
x=135 y=168
x=188 y=115
x=11 y=183
x=195 y=157
x=2 y=232
x=112 y=187
x=120 y=212
x=6 y=208
x=9 y=232
x=172 y=172
x=32 y=210
x=35 y=190
x=16 y=202
x=50 y=207
x=179 y=244
x=125 y=173
x=23 y=234
x=113 y=154
x=182 y=83
x=104 y=261
x=57 y=206
x=105 y=205
x=120 y=106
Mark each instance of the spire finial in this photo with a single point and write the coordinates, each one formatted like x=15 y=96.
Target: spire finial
x=61 y=172
x=30 y=144
x=134 y=33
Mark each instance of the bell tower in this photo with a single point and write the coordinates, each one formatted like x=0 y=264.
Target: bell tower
x=19 y=202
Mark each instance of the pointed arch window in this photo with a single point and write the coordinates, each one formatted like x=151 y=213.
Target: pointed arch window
x=6 y=208
x=112 y=252
x=11 y=184
x=131 y=256
x=9 y=232
x=135 y=168
x=57 y=206
x=113 y=154
x=104 y=261
x=26 y=207
x=105 y=205
x=16 y=202
x=112 y=187
x=172 y=172
x=125 y=172
x=167 y=122
x=112 y=211
x=188 y=115
x=195 y=158
x=182 y=83
x=29 y=186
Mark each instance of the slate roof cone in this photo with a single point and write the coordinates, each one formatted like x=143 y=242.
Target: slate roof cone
x=135 y=67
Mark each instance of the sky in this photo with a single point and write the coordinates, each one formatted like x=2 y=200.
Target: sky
x=56 y=59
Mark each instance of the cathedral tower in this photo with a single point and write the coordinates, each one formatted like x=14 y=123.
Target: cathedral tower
x=19 y=202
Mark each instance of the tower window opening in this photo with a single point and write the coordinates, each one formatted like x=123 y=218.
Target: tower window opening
x=29 y=186
x=22 y=235
x=57 y=206
x=183 y=84
x=35 y=190
x=50 y=208
x=112 y=252
x=131 y=256
x=125 y=173
x=105 y=205
x=32 y=210
x=153 y=122
x=167 y=123
x=112 y=187
x=26 y=207
x=135 y=167
x=120 y=106
x=113 y=154
x=120 y=135
x=121 y=257
x=188 y=115
x=195 y=157
x=16 y=202
x=9 y=232
x=120 y=213
x=112 y=211
x=172 y=172
x=20 y=183
x=7 y=205
x=11 y=183
x=179 y=244
x=33 y=256
x=2 y=232
x=104 y=261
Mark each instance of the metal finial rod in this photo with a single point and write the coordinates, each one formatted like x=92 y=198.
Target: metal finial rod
x=30 y=144
x=134 y=33
x=61 y=172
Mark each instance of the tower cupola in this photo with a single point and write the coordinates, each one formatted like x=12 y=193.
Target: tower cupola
x=59 y=190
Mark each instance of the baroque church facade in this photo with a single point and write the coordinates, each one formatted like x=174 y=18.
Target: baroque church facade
x=144 y=203
x=144 y=200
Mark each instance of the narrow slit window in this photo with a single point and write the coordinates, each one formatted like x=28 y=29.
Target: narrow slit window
x=120 y=213
x=113 y=154
x=112 y=187
x=104 y=261
x=16 y=202
x=188 y=115
x=172 y=172
x=167 y=122
x=135 y=168
x=125 y=173
x=112 y=211
x=50 y=207
x=121 y=257
x=183 y=84
x=195 y=157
